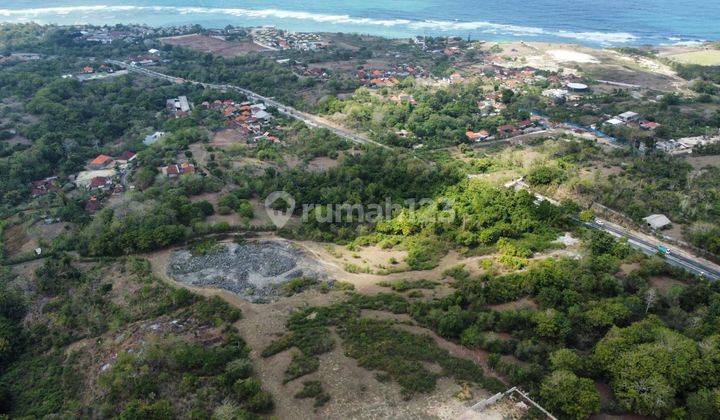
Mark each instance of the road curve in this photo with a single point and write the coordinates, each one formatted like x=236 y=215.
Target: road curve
x=309 y=119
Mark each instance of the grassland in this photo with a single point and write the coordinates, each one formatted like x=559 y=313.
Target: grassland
x=701 y=58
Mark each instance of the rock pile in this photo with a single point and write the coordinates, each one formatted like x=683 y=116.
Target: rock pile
x=253 y=270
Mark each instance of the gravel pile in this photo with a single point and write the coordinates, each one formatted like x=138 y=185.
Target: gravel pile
x=252 y=270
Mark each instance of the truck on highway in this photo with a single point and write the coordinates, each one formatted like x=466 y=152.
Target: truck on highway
x=662 y=250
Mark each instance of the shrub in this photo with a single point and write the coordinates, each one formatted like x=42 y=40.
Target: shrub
x=239 y=369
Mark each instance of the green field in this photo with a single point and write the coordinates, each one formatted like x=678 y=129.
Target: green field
x=702 y=58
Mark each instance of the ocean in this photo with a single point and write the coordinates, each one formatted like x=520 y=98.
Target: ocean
x=590 y=22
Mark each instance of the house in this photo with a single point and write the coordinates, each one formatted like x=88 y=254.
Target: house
x=506 y=129
x=174 y=171
x=84 y=178
x=525 y=124
x=152 y=138
x=511 y=404
x=87 y=70
x=477 y=136
x=127 y=157
x=261 y=114
x=657 y=221
x=100 y=183
x=45 y=186
x=403 y=133
x=615 y=121
x=555 y=93
x=629 y=116
x=649 y=125
x=101 y=162
x=456 y=78
x=178 y=105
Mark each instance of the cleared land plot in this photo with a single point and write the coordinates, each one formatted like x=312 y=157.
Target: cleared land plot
x=213 y=45
x=702 y=58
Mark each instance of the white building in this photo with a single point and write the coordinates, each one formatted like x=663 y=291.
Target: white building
x=657 y=221
x=629 y=116
x=152 y=138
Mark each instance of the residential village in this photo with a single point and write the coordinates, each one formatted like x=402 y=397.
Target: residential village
x=276 y=39
x=108 y=176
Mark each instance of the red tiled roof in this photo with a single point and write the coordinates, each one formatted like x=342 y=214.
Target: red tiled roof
x=127 y=155
x=98 y=181
x=101 y=160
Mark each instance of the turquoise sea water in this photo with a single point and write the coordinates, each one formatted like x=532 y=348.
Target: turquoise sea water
x=594 y=22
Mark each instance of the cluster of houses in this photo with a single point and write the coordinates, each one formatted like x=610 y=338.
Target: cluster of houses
x=45 y=186
x=450 y=46
x=389 y=77
x=685 y=145
x=126 y=33
x=92 y=72
x=533 y=124
x=10 y=57
x=248 y=118
x=492 y=104
x=106 y=35
x=152 y=58
x=632 y=119
x=103 y=175
x=276 y=39
x=319 y=73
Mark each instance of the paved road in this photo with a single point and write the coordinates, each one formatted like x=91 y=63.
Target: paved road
x=677 y=258
x=643 y=243
x=690 y=263
x=309 y=119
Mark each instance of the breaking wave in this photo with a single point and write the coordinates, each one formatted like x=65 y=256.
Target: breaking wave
x=335 y=19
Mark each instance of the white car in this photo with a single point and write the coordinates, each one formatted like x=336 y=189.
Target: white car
x=599 y=222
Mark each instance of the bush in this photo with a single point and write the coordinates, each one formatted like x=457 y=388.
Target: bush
x=246 y=388
x=261 y=402
x=314 y=389
x=545 y=175
x=239 y=369
x=566 y=359
x=136 y=410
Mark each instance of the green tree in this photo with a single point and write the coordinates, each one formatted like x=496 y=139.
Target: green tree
x=572 y=396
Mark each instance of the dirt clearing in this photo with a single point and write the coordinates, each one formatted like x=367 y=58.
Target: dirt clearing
x=209 y=44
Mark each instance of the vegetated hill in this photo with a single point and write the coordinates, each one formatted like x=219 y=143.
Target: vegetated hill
x=108 y=339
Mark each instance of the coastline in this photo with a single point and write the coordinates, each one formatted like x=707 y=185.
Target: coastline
x=305 y=21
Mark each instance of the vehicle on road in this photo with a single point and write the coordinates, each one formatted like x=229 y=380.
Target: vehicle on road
x=662 y=250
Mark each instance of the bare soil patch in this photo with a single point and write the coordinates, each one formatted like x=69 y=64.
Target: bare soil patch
x=700 y=162
x=627 y=268
x=17 y=241
x=227 y=137
x=209 y=44
x=321 y=164
x=663 y=284
x=524 y=303
x=355 y=392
